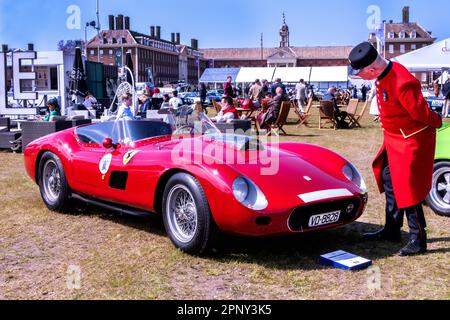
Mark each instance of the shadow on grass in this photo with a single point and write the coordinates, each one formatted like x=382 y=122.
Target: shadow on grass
x=296 y=252
x=304 y=250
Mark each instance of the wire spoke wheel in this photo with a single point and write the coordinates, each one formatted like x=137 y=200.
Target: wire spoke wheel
x=182 y=214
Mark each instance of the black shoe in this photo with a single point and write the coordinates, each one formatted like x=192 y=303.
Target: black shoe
x=414 y=247
x=384 y=235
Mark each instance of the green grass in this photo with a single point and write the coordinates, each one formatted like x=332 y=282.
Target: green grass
x=131 y=258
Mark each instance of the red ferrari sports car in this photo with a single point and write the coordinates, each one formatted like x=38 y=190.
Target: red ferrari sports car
x=201 y=184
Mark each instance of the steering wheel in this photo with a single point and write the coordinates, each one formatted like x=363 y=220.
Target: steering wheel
x=189 y=128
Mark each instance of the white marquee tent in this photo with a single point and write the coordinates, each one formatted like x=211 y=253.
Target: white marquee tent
x=251 y=74
x=435 y=57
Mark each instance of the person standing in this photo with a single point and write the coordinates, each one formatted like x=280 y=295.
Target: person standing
x=276 y=85
x=404 y=166
x=374 y=111
x=203 y=94
x=446 y=94
x=256 y=93
x=228 y=88
x=300 y=95
x=364 y=92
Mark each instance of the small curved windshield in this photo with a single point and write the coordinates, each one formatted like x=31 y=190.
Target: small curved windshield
x=129 y=131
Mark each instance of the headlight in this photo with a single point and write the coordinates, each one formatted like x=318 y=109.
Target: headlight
x=248 y=193
x=352 y=174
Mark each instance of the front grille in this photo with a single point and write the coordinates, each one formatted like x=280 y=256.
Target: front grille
x=299 y=219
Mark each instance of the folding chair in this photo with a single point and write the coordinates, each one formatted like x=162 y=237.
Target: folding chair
x=281 y=121
x=356 y=119
x=351 y=112
x=326 y=112
x=217 y=106
x=303 y=117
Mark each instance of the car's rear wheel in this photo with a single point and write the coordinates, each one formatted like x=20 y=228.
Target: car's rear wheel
x=53 y=183
x=439 y=197
x=187 y=217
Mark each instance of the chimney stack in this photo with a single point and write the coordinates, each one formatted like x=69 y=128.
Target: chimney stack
x=127 y=23
x=158 y=32
x=152 y=31
x=30 y=47
x=194 y=44
x=4 y=47
x=406 y=14
x=111 y=22
x=178 y=38
x=119 y=22
x=172 y=37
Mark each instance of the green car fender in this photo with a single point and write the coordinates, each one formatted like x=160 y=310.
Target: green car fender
x=443 y=142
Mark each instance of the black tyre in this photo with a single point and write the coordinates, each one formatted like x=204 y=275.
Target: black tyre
x=53 y=183
x=439 y=197
x=187 y=217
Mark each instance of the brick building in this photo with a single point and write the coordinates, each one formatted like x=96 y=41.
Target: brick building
x=282 y=56
x=167 y=61
x=403 y=37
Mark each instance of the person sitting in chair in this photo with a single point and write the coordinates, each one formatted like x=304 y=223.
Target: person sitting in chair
x=175 y=102
x=339 y=115
x=228 y=112
x=266 y=119
x=53 y=108
x=125 y=112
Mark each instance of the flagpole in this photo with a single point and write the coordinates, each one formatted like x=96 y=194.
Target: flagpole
x=98 y=31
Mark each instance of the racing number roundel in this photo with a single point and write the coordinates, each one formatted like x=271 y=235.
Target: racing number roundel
x=105 y=163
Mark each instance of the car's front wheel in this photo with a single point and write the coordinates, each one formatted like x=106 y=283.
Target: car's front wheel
x=439 y=197
x=187 y=217
x=52 y=183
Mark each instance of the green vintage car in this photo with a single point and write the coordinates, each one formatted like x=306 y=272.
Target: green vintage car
x=439 y=197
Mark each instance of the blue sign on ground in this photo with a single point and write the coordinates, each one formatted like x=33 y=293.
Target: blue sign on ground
x=344 y=260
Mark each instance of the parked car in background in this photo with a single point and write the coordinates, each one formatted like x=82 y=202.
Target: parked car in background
x=216 y=92
x=439 y=197
x=436 y=104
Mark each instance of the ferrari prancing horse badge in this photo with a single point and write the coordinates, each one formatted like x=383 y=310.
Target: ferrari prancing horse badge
x=128 y=156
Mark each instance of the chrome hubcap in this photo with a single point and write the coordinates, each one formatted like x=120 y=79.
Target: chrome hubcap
x=440 y=194
x=52 y=181
x=182 y=213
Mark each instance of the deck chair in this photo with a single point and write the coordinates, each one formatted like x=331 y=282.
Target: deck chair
x=217 y=106
x=277 y=127
x=356 y=119
x=303 y=117
x=351 y=112
x=326 y=113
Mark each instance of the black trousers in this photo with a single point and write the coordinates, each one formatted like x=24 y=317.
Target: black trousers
x=395 y=216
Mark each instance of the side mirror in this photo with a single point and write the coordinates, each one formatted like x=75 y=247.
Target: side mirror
x=108 y=143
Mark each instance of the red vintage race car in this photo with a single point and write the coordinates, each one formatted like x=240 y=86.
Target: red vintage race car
x=201 y=181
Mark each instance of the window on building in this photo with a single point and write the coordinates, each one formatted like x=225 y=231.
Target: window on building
x=110 y=52
x=391 y=35
x=92 y=52
x=402 y=48
x=124 y=40
x=53 y=78
x=413 y=34
x=424 y=77
x=402 y=35
x=413 y=47
x=391 y=48
x=101 y=52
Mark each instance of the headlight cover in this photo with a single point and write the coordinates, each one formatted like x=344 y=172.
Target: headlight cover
x=247 y=192
x=352 y=174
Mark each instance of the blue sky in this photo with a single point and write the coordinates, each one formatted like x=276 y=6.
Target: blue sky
x=224 y=23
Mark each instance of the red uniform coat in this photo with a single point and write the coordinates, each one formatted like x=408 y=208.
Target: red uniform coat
x=409 y=136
